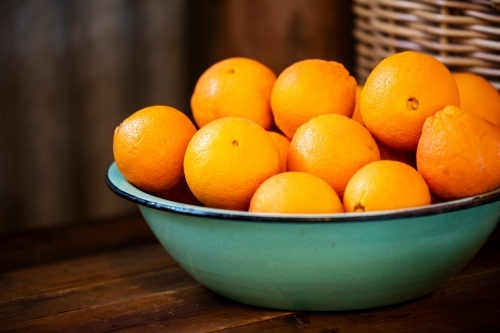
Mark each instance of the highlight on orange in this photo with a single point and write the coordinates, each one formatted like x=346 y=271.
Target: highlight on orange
x=295 y=193
x=310 y=88
x=332 y=147
x=401 y=92
x=384 y=185
x=149 y=147
x=478 y=95
x=227 y=160
x=357 y=110
x=459 y=154
x=234 y=87
x=283 y=144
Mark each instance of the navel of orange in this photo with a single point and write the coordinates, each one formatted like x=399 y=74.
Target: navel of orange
x=401 y=92
x=382 y=185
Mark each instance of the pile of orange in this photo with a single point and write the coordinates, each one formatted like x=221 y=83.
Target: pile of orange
x=311 y=140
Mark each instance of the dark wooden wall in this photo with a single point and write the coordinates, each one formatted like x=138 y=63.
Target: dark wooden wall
x=71 y=70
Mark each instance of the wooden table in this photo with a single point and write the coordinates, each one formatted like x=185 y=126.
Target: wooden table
x=113 y=275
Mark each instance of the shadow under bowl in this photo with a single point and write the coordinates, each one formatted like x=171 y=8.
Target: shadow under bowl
x=318 y=262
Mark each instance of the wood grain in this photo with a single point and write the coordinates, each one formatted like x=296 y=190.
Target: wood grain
x=35 y=132
x=454 y=307
x=39 y=247
x=126 y=287
x=190 y=309
x=277 y=33
x=87 y=270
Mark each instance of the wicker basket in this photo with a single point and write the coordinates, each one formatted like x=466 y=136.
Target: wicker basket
x=464 y=35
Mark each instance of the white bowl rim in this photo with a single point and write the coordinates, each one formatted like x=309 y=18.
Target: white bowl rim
x=118 y=185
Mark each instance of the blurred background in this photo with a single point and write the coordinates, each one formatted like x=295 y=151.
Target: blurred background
x=72 y=70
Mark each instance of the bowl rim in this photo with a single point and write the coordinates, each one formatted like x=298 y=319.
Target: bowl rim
x=118 y=185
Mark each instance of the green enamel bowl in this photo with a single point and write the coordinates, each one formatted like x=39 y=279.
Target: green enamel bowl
x=319 y=262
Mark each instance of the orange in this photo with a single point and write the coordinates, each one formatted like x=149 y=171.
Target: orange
x=459 y=154
x=283 y=144
x=357 y=111
x=332 y=147
x=149 y=147
x=295 y=193
x=478 y=95
x=227 y=160
x=387 y=153
x=236 y=87
x=385 y=185
x=180 y=193
x=496 y=126
x=308 y=89
x=401 y=92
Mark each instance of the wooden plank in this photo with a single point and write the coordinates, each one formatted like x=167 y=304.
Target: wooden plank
x=291 y=31
x=35 y=137
x=10 y=207
x=83 y=271
x=46 y=246
x=159 y=62
x=277 y=33
x=125 y=287
x=191 y=309
x=463 y=305
x=99 y=89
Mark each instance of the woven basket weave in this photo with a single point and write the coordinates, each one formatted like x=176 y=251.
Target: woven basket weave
x=464 y=35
